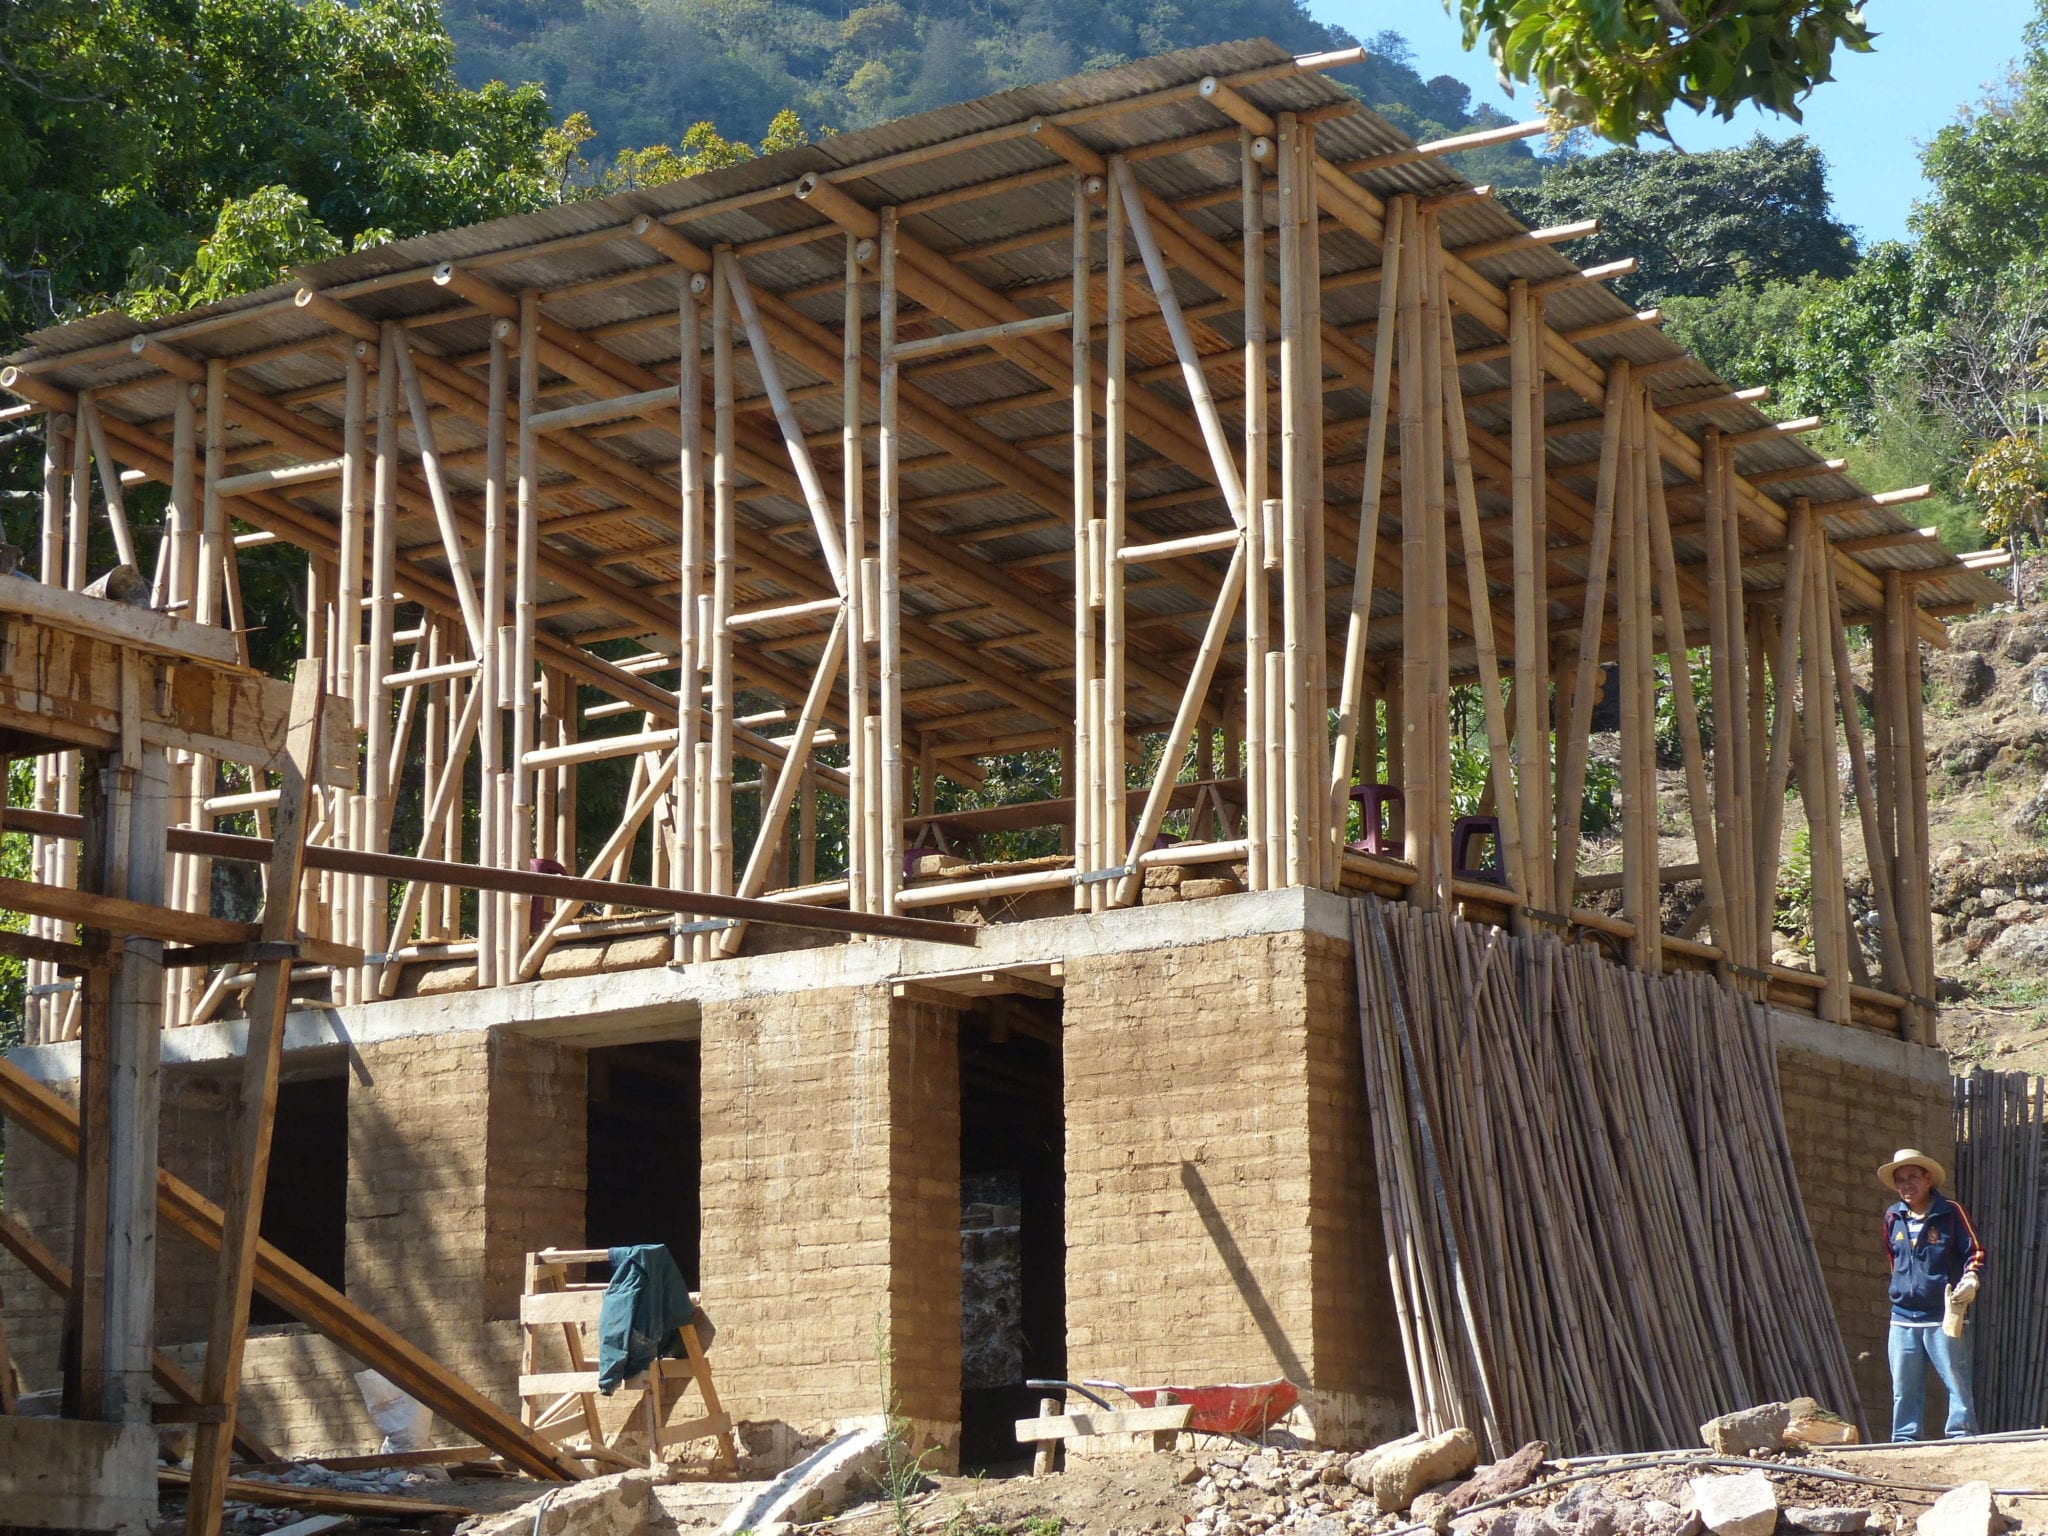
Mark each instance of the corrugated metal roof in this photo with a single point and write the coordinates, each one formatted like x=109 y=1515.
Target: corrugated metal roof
x=608 y=285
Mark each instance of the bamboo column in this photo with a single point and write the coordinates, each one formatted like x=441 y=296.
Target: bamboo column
x=1260 y=833
x=1078 y=779
x=1531 y=608
x=690 y=791
x=524 y=832
x=1301 y=512
x=1821 y=784
x=379 y=788
x=492 y=912
x=1110 y=824
x=718 y=634
x=1640 y=880
x=1425 y=635
x=889 y=622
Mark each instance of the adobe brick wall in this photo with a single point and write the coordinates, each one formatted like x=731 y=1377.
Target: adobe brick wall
x=1220 y=1215
x=1845 y=1118
x=465 y=1150
x=831 y=1207
x=194 y=1128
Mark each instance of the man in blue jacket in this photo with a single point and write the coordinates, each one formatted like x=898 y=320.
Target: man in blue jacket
x=1935 y=1257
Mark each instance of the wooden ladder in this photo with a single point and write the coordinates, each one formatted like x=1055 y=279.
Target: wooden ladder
x=563 y=1406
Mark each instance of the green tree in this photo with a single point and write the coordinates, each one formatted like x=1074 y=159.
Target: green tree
x=1697 y=223
x=180 y=150
x=1619 y=66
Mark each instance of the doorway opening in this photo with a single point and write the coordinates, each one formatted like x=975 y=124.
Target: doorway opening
x=644 y=1151
x=1013 y=1284
x=305 y=1197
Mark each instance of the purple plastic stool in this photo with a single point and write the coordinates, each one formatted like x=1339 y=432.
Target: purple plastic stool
x=1373 y=800
x=1463 y=831
x=537 y=907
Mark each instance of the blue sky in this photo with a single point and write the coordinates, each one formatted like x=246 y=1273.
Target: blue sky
x=1870 y=120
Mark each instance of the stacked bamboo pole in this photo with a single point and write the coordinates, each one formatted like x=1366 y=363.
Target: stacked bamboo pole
x=2001 y=1175
x=1585 y=1185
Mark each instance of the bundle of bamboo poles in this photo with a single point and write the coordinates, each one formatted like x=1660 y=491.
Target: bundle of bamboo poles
x=1592 y=1222
x=2001 y=1149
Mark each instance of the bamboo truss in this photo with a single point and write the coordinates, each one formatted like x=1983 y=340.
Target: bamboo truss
x=1196 y=430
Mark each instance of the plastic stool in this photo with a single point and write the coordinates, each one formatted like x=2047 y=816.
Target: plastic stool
x=1463 y=831
x=1373 y=800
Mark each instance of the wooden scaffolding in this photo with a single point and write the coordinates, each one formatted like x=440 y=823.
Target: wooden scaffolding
x=1184 y=419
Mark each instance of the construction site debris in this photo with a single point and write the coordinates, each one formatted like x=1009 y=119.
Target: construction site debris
x=617 y=1504
x=1966 y=1511
x=1813 y=1517
x=1738 y=1504
x=1812 y=1426
x=276 y=1493
x=1402 y=1474
x=1748 y=1430
x=1501 y=1478
x=818 y=1484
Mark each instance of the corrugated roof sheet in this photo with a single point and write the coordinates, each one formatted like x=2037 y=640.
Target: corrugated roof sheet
x=605 y=283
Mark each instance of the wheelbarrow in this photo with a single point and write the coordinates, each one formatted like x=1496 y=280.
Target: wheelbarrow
x=1244 y=1411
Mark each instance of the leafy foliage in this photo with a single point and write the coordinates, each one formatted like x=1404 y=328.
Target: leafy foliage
x=1619 y=66
x=1697 y=224
x=175 y=151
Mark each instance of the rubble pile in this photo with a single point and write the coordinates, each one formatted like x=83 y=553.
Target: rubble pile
x=1436 y=1485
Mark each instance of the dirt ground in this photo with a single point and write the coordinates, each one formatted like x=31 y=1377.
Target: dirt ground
x=1126 y=1495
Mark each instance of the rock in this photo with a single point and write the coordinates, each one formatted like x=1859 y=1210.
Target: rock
x=604 y=1506
x=1742 y=1505
x=1748 y=1431
x=1968 y=675
x=2037 y=690
x=1323 y=1525
x=1669 y=1518
x=2025 y=641
x=1402 y=1474
x=1813 y=1517
x=1195 y=890
x=2023 y=944
x=1509 y=1475
x=1966 y=1511
x=1358 y=1470
x=1812 y=1425
x=816 y=1486
x=1585 y=1511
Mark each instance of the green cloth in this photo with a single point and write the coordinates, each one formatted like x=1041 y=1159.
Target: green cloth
x=645 y=1307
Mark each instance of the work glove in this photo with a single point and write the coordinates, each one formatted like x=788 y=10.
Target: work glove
x=1964 y=1291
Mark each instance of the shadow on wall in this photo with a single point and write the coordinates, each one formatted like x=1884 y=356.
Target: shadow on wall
x=1241 y=1275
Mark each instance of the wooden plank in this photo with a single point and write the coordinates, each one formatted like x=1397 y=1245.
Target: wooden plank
x=249 y=1173
x=119 y=624
x=117 y=914
x=580 y=1306
x=67 y=957
x=43 y=1115
x=1130 y=1421
x=249 y=1490
x=555 y=1383
x=60 y=685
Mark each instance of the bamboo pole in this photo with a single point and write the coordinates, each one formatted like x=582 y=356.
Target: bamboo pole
x=1110 y=819
x=1507 y=804
x=718 y=634
x=1571 y=778
x=1876 y=852
x=378 y=792
x=1821 y=786
x=524 y=831
x=1078 y=780
x=1532 y=689
x=1777 y=767
x=491 y=911
x=1259 y=831
x=689 y=594
x=1671 y=604
x=888 y=540
x=1354 y=707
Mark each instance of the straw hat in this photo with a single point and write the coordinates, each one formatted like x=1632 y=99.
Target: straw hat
x=1909 y=1156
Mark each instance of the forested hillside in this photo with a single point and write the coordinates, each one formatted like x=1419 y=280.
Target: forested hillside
x=645 y=71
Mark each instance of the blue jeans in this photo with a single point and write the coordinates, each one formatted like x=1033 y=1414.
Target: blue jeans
x=1911 y=1350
